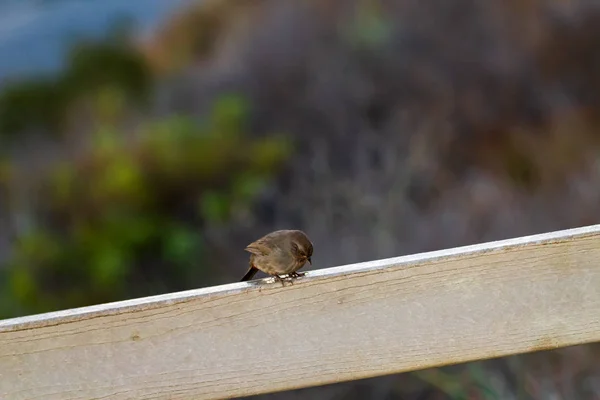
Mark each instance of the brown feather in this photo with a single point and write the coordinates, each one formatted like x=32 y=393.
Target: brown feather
x=259 y=248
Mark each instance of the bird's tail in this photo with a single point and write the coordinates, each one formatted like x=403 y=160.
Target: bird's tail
x=251 y=272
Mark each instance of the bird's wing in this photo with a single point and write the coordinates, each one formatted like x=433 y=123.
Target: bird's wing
x=259 y=248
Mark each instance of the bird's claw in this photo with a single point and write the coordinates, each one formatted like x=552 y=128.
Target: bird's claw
x=278 y=278
x=288 y=278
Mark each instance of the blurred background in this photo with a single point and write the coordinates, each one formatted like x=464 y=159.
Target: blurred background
x=144 y=143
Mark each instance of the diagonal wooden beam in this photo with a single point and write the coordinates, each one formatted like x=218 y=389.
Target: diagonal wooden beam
x=336 y=324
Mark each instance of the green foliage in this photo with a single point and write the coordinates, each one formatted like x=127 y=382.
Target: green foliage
x=370 y=28
x=94 y=65
x=35 y=103
x=125 y=217
x=109 y=71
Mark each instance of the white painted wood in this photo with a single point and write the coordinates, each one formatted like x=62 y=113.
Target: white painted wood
x=336 y=324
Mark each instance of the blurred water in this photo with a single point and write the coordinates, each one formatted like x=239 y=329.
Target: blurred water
x=35 y=33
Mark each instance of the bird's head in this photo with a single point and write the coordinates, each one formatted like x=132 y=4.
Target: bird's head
x=302 y=247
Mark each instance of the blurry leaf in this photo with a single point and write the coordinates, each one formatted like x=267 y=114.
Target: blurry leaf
x=120 y=180
x=521 y=168
x=9 y=303
x=172 y=129
x=34 y=103
x=110 y=104
x=229 y=113
x=122 y=175
x=180 y=243
x=109 y=265
x=5 y=170
x=22 y=283
x=106 y=141
x=214 y=206
x=266 y=154
x=371 y=28
x=37 y=247
x=246 y=186
x=63 y=178
x=139 y=229
x=168 y=141
x=94 y=64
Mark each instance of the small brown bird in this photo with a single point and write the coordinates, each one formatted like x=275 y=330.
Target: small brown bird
x=279 y=253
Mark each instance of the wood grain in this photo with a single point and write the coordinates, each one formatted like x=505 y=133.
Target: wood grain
x=336 y=324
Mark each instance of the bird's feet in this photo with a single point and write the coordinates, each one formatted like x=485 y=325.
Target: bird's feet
x=288 y=278
x=280 y=279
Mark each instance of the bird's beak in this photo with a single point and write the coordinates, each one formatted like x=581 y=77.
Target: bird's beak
x=309 y=260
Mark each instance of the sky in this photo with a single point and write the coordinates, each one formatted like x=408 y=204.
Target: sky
x=34 y=34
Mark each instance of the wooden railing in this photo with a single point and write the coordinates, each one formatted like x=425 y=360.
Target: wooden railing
x=335 y=324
